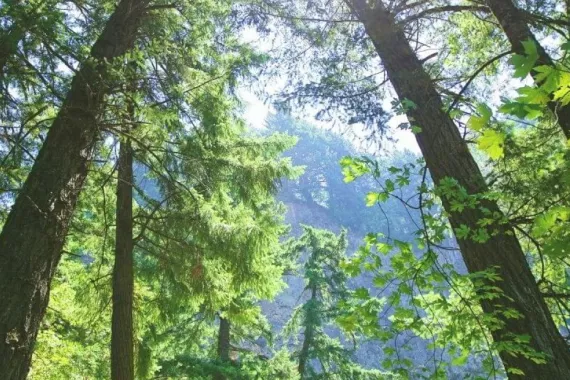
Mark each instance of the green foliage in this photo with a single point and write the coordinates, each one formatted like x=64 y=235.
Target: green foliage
x=210 y=235
x=207 y=226
x=326 y=288
x=422 y=294
x=524 y=64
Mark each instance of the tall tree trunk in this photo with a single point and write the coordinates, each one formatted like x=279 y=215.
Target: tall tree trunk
x=35 y=230
x=223 y=345
x=517 y=31
x=307 y=341
x=447 y=156
x=122 y=359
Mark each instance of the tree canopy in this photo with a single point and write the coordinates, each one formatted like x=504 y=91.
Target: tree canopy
x=150 y=231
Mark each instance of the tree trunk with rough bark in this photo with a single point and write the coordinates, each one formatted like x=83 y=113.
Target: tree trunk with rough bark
x=517 y=31
x=122 y=358
x=33 y=235
x=447 y=156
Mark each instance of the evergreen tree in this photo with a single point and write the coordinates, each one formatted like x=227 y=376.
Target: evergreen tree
x=122 y=345
x=122 y=153
x=34 y=232
x=326 y=288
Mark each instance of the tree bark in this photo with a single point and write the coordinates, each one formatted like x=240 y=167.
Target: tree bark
x=223 y=345
x=517 y=31
x=447 y=156
x=122 y=358
x=33 y=235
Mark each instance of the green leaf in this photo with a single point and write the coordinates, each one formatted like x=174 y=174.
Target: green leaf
x=477 y=123
x=562 y=94
x=462 y=232
x=379 y=281
x=524 y=63
x=515 y=371
x=372 y=198
x=533 y=95
x=492 y=142
x=548 y=76
x=462 y=359
x=389 y=184
x=384 y=248
x=362 y=293
x=407 y=104
x=403 y=313
x=522 y=110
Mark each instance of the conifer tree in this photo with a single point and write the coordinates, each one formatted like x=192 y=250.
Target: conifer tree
x=34 y=232
x=122 y=344
x=326 y=287
x=223 y=344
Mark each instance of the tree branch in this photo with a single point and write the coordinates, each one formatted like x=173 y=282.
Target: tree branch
x=475 y=74
x=445 y=9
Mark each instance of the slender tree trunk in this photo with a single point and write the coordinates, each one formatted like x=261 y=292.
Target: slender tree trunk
x=447 y=156
x=303 y=356
x=517 y=31
x=35 y=230
x=307 y=341
x=223 y=344
x=122 y=359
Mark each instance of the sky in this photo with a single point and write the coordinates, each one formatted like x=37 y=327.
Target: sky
x=256 y=112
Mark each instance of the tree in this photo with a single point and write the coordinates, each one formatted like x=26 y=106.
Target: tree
x=501 y=251
x=34 y=232
x=223 y=343
x=326 y=287
x=518 y=33
x=448 y=159
x=24 y=18
x=122 y=345
x=9 y=41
